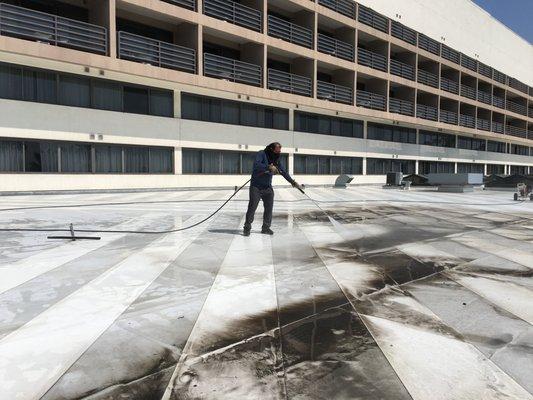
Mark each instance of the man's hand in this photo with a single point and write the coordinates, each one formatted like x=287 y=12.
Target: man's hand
x=273 y=169
x=297 y=185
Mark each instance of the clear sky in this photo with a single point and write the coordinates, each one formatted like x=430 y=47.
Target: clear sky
x=516 y=14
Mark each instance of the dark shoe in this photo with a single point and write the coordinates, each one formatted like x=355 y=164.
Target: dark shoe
x=246 y=232
x=267 y=231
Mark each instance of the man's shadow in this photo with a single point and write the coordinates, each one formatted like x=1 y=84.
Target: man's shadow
x=227 y=231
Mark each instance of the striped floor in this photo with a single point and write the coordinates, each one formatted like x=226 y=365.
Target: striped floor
x=411 y=295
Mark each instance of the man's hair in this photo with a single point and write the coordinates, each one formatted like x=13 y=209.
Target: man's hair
x=269 y=150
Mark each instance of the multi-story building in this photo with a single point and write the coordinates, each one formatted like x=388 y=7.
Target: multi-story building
x=106 y=94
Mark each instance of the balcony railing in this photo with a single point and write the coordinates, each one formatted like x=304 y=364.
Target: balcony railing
x=516 y=84
x=234 y=13
x=344 y=7
x=468 y=91
x=515 y=107
x=483 y=124
x=290 y=32
x=484 y=70
x=448 y=117
x=497 y=127
x=401 y=69
x=332 y=92
x=468 y=62
x=428 y=78
x=370 y=100
x=449 y=85
x=498 y=102
x=371 y=18
x=289 y=83
x=190 y=4
x=450 y=54
x=335 y=47
x=402 y=32
x=484 y=97
x=530 y=112
x=516 y=131
x=371 y=59
x=404 y=107
x=138 y=48
x=428 y=44
x=232 y=70
x=467 y=121
x=499 y=77
x=48 y=28
x=426 y=112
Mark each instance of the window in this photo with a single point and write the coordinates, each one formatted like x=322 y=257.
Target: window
x=135 y=100
x=391 y=133
x=326 y=125
x=495 y=169
x=429 y=138
x=75 y=157
x=325 y=165
x=471 y=143
x=108 y=159
x=41 y=156
x=107 y=95
x=470 y=168
x=136 y=160
x=10 y=82
x=381 y=166
x=39 y=86
x=160 y=160
x=519 y=150
x=210 y=109
x=11 y=159
x=435 y=167
x=519 y=169
x=161 y=103
x=74 y=91
x=496 y=147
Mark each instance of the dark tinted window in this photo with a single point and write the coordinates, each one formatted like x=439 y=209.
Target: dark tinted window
x=75 y=157
x=435 y=167
x=324 y=165
x=391 y=133
x=135 y=100
x=136 y=159
x=471 y=143
x=74 y=91
x=429 y=138
x=380 y=166
x=107 y=95
x=10 y=82
x=327 y=125
x=161 y=103
x=11 y=159
x=108 y=159
x=41 y=157
x=40 y=86
x=496 y=147
x=470 y=168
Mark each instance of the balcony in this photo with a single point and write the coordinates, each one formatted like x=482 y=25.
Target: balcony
x=498 y=102
x=484 y=97
x=399 y=68
x=190 y=4
x=428 y=78
x=515 y=107
x=332 y=92
x=404 y=107
x=497 y=127
x=234 y=13
x=468 y=62
x=48 y=28
x=166 y=55
x=448 y=117
x=483 y=124
x=232 y=70
x=289 y=83
x=484 y=70
x=428 y=44
x=292 y=33
x=516 y=131
x=468 y=92
x=449 y=85
x=344 y=7
x=371 y=18
x=370 y=100
x=371 y=59
x=450 y=54
x=426 y=112
x=530 y=112
x=499 y=77
x=516 y=84
x=335 y=47
x=403 y=33
x=467 y=121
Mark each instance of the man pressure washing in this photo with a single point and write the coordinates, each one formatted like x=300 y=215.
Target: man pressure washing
x=266 y=165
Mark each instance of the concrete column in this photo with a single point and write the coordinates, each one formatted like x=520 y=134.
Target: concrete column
x=200 y=55
x=178 y=161
x=291 y=119
x=416 y=167
x=365 y=129
x=177 y=104
x=455 y=168
x=103 y=13
x=291 y=163
x=485 y=169
x=364 y=165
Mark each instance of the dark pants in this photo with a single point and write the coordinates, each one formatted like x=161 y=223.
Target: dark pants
x=256 y=194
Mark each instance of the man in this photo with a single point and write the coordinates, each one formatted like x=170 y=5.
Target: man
x=266 y=165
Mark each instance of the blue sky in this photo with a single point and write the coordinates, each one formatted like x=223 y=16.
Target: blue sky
x=516 y=14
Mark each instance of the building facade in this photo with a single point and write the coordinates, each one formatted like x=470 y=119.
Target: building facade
x=117 y=94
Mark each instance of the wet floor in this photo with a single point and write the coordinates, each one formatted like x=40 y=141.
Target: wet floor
x=411 y=295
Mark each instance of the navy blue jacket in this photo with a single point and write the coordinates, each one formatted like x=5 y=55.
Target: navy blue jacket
x=261 y=176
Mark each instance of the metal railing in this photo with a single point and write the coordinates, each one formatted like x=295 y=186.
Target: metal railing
x=448 y=117
x=232 y=70
x=449 y=85
x=344 y=7
x=234 y=13
x=516 y=84
x=468 y=91
x=450 y=54
x=483 y=124
x=371 y=59
x=404 y=107
x=427 y=78
x=401 y=69
x=289 y=83
x=515 y=107
x=484 y=97
x=498 y=102
x=335 y=47
x=370 y=100
x=190 y=4
x=428 y=44
x=467 y=121
x=499 y=77
x=497 y=127
x=402 y=32
x=371 y=18
x=516 y=131
x=468 y=62
x=48 y=28
x=290 y=32
x=427 y=112
x=138 y=48
x=484 y=70
x=530 y=112
x=332 y=92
